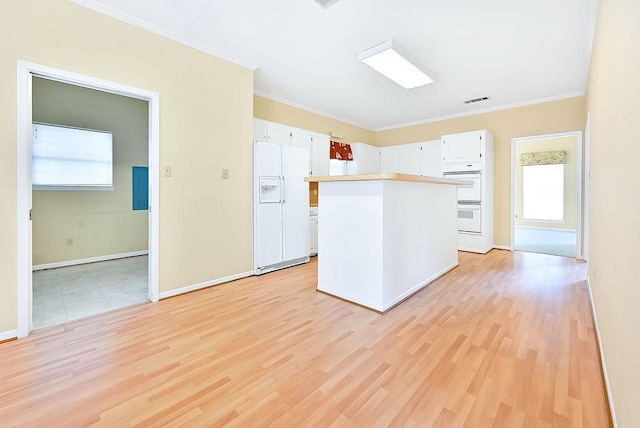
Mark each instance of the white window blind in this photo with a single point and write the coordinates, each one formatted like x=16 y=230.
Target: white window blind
x=71 y=158
x=543 y=192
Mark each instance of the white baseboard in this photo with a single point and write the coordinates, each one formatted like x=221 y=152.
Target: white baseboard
x=424 y=283
x=6 y=335
x=90 y=260
x=602 y=359
x=503 y=247
x=205 y=284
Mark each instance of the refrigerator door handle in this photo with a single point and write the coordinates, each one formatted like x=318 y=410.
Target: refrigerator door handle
x=284 y=190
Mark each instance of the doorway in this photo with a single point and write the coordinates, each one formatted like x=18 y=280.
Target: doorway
x=26 y=73
x=546 y=202
x=89 y=238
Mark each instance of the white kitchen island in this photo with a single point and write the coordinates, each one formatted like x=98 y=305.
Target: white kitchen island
x=383 y=237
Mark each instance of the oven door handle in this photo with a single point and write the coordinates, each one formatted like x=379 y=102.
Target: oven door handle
x=477 y=173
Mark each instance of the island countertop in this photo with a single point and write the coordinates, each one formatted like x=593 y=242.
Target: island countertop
x=394 y=177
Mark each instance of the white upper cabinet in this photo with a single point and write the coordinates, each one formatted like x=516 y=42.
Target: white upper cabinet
x=388 y=160
x=463 y=147
x=316 y=144
x=431 y=159
x=401 y=159
x=366 y=159
x=279 y=134
x=260 y=130
x=408 y=158
x=363 y=156
x=301 y=138
x=319 y=154
x=415 y=158
x=374 y=160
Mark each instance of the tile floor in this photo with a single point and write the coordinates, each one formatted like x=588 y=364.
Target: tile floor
x=545 y=241
x=69 y=293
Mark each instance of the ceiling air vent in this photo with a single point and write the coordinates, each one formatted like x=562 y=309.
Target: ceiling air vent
x=325 y=3
x=476 y=100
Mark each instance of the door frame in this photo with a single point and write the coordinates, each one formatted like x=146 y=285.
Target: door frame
x=579 y=177
x=25 y=72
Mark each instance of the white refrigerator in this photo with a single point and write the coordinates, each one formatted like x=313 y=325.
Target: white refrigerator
x=281 y=237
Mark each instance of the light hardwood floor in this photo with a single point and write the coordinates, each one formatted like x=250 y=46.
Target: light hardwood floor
x=504 y=340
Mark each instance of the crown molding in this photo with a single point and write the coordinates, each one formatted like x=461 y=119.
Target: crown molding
x=163 y=32
x=482 y=111
x=309 y=109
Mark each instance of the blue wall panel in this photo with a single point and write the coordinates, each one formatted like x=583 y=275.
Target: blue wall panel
x=140 y=187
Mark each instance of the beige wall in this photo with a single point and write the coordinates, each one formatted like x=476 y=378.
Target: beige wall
x=99 y=222
x=274 y=111
x=538 y=119
x=614 y=262
x=206 y=110
x=567 y=144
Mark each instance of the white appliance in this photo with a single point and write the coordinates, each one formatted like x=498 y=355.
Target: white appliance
x=281 y=237
x=469 y=172
x=469 y=218
x=469 y=156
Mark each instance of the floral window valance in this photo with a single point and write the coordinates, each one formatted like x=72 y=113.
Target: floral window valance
x=543 y=158
x=340 y=151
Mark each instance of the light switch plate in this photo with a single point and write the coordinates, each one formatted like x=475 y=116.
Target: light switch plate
x=225 y=173
x=167 y=170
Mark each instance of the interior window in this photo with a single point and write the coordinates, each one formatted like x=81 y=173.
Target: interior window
x=543 y=192
x=71 y=158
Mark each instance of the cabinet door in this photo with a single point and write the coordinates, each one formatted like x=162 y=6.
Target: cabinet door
x=259 y=130
x=374 y=160
x=389 y=160
x=320 y=154
x=302 y=139
x=279 y=134
x=408 y=159
x=430 y=159
x=360 y=162
x=464 y=147
x=364 y=161
x=313 y=235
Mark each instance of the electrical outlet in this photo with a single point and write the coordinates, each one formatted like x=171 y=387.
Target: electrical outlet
x=167 y=170
x=69 y=242
x=225 y=173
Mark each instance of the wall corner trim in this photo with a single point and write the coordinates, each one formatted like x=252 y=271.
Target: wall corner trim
x=603 y=362
x=206 y=284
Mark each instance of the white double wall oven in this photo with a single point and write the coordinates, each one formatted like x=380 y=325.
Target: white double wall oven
x=469 y=197
x=469 y=156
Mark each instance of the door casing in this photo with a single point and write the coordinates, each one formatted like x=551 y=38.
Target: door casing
x=26 y=70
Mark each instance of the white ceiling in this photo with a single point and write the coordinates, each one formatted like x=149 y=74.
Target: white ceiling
x=514 y=51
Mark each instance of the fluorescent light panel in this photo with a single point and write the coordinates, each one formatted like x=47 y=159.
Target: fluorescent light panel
x=387 y=60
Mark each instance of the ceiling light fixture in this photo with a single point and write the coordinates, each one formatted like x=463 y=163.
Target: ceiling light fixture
x=325 y=3
x=390 y=60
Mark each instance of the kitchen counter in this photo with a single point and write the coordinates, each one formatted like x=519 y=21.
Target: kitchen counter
x=384 y=237
x=392 y=177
